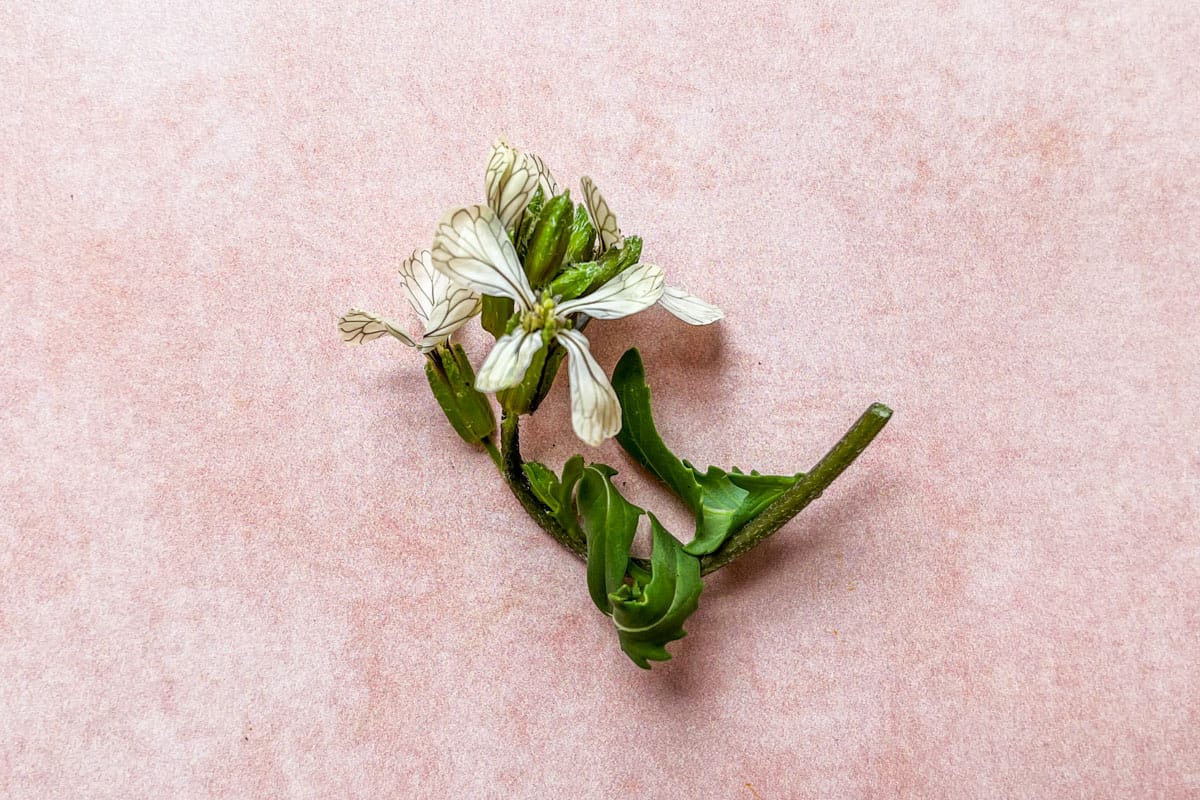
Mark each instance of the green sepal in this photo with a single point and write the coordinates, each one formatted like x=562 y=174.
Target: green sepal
x=555 y=494
x=721 y=502
x=453 y=384
x=610 y=522
x=524 y=397
x=583 y=238
x=555 y=353
x=529 y=220
x=650 y=613
x=495 y=314
x=551 y=237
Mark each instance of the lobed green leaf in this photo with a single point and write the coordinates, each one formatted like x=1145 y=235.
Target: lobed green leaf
x=610 y=522
x=650 y=613
x=721 y=502
x=556 y=494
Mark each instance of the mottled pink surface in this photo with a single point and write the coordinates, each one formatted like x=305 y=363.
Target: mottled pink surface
x=240 y=559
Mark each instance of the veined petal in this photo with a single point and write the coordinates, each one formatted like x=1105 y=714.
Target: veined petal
x=470 y=246
x=452 y=312
x=595 y=411
x=510 y=180
x=688 y=307
x=603 y=219
x=360 y=327
x=425 y=287
x=634 y=290
x=545 y=179
x=505 y=366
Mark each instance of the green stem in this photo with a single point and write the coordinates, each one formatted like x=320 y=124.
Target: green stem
x=809 y=488
x=493 y=452
x=514 y=475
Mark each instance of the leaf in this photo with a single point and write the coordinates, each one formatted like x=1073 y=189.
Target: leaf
x=639 y=437
x=649 y=613
x=610 y=522
x=729 y=501
x=721 y=502
x=556 y=494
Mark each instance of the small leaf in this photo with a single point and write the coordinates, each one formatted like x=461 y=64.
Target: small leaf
x=556 y=494
x=650 y=613
x=543 y=481
x=729 y=501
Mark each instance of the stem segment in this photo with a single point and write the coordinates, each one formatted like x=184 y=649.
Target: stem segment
x=793 y=501
x=514 y=475
x=492 y=452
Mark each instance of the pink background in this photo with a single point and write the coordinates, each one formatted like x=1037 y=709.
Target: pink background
x=240 y=559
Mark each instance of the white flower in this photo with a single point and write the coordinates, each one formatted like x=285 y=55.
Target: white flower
x=443 y=306
x=687 y=307
x=510 y=180
x=471 y=247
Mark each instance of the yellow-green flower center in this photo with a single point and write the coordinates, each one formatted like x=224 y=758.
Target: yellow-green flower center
x=540 y=317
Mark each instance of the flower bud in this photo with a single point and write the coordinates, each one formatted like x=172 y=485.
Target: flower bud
x=453 y=383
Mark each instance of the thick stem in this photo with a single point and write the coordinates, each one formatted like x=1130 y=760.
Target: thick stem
x=809 y=488
x=514 y=475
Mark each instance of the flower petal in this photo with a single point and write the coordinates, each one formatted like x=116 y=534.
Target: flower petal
x=470 y=246
x=634 y=290
x=603 y=219
x=510 y=180
x=688 y=307
x=545 y=179
x=450 y=314
x=360 y=327
x=421 y=283
x=443 y=305
x=595 y=411
x=505 y=366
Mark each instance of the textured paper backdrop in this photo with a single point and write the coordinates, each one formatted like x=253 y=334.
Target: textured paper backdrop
x=240 y=559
